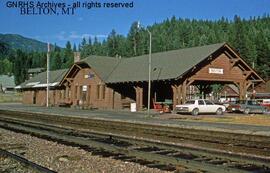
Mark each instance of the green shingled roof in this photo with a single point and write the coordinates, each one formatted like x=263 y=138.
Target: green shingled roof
x=40 y=80
x=102 y=65
x=165 y=65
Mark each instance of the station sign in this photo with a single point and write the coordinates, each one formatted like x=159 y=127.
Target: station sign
x=84 y=88
x=216 y=70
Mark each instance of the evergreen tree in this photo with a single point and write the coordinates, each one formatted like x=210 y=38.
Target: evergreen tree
x=74 y=49
x=86 y=49
x=68 y=58
x=89 y=41
x=133 y=39
x=251 y=38
x=239 y=36
x=79 y=47
x=20 y=69
x=56 y=59
x=83 y=42
x=263 y=56
x=113 y=44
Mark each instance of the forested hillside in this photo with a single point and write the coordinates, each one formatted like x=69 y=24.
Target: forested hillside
x=16 y=41
x=18 y=62
x=251 y=38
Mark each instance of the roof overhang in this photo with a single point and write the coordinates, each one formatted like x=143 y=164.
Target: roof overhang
x=232 y=53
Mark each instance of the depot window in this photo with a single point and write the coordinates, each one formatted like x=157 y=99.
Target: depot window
x=103 y=91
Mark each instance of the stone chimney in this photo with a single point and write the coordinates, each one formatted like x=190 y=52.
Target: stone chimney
x=77 y=56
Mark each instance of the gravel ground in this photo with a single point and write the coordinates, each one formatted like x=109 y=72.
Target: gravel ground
x=8 y=165
x=63 y=158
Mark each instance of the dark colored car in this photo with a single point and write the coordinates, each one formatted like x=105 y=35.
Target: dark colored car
x=246 y=107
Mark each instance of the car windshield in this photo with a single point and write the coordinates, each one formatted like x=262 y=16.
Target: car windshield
x=252 y=102
x=190 y=102
x=240 y=102
x=207 y=102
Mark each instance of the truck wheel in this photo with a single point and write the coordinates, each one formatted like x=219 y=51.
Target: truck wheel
x=246 y=111
x=219 y=111
x=195 y=112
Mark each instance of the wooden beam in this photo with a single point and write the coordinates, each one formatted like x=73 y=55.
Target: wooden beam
x=243 y=86
x=190 y=81
x=236 y=60
x=257 y=80
x=184 y=91
x=69 y=80
x=66 y=75
x=247 y=74
x=233 y=62
x=248 y=85
x=175 y=93
x=230 y=56
x=179 y=96
x=210 y=79
x=78 y=66
x=139 y=97
x=239 y=57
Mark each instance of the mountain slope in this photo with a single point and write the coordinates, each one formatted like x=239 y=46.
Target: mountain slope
x=26 y=44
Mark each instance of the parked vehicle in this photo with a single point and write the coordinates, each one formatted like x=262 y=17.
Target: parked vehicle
x=200 y=106
x=246 y=107
x=264 y=102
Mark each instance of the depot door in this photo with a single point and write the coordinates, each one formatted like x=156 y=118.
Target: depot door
x=34 y=97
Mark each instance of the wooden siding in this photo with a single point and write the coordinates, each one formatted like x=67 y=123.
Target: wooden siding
x=98 y=95
x=38 y=97
x=230 y=74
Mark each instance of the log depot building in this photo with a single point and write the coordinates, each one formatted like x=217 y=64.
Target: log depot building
x=114 y=83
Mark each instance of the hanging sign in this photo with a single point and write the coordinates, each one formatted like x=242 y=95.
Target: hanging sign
x=89 y=76
x=216 y=70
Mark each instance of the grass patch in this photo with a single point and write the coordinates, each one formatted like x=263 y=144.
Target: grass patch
x=253 y=119
x=10 y=97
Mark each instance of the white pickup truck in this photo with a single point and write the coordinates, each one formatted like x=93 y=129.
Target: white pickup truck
x=200 y=106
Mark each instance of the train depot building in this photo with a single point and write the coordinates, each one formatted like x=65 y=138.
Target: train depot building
x=115 y=83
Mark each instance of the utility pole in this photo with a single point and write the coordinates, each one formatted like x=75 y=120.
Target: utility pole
x=253 y=86
x=48 y=75
x=149 y=72
x=149 y=69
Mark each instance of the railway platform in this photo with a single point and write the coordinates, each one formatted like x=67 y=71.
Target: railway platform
x=140 y=117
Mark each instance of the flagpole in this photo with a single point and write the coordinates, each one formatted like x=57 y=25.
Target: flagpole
x=48 y=75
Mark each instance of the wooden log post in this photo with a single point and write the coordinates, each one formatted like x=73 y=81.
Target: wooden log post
x=109 y=97
x=175 y=95
x=184 y=91
x=242 y=90
x=139 y=97
x=180 y=94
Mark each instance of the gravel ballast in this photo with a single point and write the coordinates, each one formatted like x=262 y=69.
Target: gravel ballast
x=63 y=158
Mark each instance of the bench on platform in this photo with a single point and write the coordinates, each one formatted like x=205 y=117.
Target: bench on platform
x=64 y=104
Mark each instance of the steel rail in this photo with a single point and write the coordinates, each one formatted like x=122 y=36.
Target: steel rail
x=256 y=143
x=32 y=165
x=83 y=133
x=66 y=135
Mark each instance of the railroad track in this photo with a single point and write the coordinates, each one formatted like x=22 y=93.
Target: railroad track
x=246 y=144
x=26 y=163
x=149 y=152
